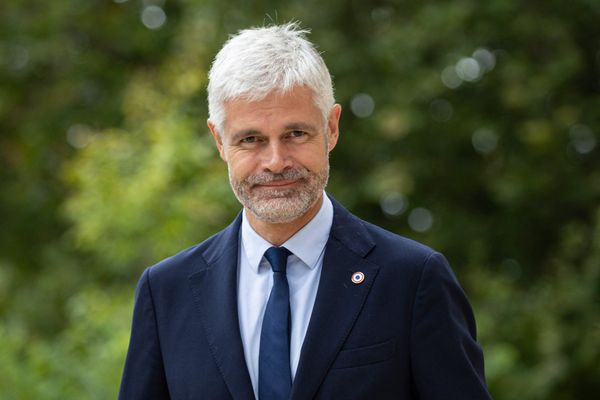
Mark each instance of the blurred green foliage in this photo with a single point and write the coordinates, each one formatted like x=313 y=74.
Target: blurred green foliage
x=470 y=126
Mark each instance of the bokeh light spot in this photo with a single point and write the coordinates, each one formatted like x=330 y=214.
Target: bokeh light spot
x=153 y=17
x=582 y=138
x=17 y=58
x=484 y=140
x=393 y=204
x=382 y=14
x=485 y=58
x=362 y=105
x=450 y=78
x=420 y=219
x=79 y=135
x=468 y=69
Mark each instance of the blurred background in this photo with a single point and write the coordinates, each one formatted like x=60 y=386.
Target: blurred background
x=472 y=126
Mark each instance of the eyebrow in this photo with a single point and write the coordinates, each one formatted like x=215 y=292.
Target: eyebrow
x=301 y=126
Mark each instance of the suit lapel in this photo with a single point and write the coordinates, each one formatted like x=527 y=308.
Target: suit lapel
x=215 y=293
x=338 y=303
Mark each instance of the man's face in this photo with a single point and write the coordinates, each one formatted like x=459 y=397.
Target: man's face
x=277 y=152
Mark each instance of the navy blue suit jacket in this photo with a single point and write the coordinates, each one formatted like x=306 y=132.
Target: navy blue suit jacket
x=406 y=332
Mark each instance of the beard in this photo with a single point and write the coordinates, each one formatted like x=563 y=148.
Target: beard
x=280 y=205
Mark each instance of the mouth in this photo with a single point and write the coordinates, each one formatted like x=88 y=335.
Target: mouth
x=279 y=184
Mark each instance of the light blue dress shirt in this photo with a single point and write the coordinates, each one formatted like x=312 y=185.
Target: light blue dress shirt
x=255 y=280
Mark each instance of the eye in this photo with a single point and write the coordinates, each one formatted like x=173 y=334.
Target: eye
x=249 y=139
x=297 y=134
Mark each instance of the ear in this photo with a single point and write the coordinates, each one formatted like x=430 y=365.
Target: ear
x=218 y=139
x=333 y=125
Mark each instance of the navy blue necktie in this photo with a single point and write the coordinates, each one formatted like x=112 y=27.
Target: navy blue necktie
x=274 y=374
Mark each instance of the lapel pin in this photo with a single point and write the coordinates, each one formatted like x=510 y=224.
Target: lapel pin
x=358 y=277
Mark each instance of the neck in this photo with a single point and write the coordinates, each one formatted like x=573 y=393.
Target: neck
x=277 y=234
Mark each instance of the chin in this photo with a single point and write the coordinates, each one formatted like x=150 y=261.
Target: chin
x=280 y=210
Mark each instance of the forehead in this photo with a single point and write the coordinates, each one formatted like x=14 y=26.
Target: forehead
x=276 y=108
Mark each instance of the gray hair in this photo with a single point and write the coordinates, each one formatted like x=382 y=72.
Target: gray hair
x=258 y=61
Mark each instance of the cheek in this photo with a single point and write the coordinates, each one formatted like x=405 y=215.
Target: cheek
x=316 y=158
x=241 y=166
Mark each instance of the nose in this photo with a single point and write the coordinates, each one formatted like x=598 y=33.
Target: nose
x=276 y=158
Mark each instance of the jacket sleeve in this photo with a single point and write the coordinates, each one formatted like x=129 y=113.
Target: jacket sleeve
x=446 y=360
x=143 y=375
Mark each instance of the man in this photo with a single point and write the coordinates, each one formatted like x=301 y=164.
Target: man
x=297 y=298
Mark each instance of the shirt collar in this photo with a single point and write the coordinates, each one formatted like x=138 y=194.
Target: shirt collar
x=307 y=244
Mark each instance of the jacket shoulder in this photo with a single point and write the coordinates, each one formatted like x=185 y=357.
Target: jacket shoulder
x=376 y=243
x=394 y=244
x=197 y=257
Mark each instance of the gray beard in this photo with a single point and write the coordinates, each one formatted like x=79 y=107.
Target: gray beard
x=281 y=205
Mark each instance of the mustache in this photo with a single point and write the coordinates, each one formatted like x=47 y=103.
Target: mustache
x=287 y=175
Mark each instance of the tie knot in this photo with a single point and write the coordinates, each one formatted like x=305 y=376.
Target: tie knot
x=277 y=257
